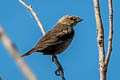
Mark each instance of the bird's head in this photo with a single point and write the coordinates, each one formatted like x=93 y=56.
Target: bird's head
x=70 y=20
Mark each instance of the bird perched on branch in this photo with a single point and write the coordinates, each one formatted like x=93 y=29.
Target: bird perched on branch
x=58 y=38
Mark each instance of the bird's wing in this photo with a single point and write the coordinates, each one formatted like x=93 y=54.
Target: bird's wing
x=54 y=37
x=49 y=40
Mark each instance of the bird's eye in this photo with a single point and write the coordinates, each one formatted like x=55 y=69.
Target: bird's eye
x=71 y=18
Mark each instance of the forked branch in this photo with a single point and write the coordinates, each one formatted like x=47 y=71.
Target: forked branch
x=103 y=61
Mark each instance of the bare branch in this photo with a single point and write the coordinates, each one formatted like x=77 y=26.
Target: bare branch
x=59 y=71
x=34 y=14
x=109 y=51
x=10 y=47
x=100 y=40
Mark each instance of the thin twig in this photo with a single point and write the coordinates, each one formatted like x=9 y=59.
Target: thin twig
x=34 y=14
x=59 y=71
x=11 y=48
x=100 y=40
x=109 y=51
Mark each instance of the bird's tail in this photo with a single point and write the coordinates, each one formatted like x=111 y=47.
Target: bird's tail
x=29 y=52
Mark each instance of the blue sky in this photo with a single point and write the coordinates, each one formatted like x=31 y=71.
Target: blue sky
x=79 y=61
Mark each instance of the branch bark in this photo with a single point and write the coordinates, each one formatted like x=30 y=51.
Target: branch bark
x=34 y=14
x=103 y=61
x=59 y=71
x=109 y=51
x=13 y=51
x=100 y=40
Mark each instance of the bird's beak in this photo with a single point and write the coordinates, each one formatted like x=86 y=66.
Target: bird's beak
x=79 y=19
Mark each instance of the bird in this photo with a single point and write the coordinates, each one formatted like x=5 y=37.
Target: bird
x=58 y=38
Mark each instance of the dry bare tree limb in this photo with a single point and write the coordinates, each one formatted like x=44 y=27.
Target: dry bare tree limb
x=14 y=53
x=60 y=69
x=100 y=40
x=34 y=14
x=109 y=51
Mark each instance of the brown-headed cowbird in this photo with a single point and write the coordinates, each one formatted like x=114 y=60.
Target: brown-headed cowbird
x=58 y=38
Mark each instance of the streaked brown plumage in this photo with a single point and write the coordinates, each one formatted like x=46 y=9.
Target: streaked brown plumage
x=58 y=38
